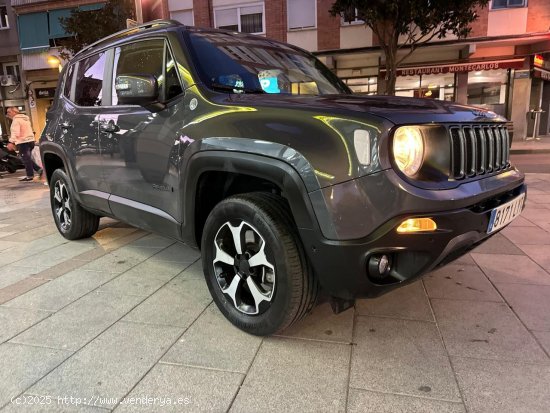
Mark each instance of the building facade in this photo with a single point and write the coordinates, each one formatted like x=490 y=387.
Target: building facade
x=12 y=82
x=505 y=59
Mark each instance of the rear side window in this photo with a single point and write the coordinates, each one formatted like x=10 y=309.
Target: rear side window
x=89 y=80
x=138 y=58
x=68 y=82
x=151 y=57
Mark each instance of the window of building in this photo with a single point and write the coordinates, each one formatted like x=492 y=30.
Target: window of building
x=4 y=23
x=440 y=86
x=245 y=19
x=89 y=80
x=506 y=4
x=301 y=14
x=487 y=88
x=12 y=69
x=183 y=16
x=363 y=85
x=351 y=18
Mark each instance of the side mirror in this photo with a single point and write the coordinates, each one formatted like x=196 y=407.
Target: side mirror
x=136 y=89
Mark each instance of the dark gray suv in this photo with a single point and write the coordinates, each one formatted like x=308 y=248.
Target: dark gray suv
x=253 y=151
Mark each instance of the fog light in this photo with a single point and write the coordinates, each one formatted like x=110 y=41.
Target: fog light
x=379 y=266
x=417 y=225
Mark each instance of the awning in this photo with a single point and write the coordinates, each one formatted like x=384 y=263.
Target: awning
x=460 y=67
x=56 y=29
x=33 y=31
x=95 y=6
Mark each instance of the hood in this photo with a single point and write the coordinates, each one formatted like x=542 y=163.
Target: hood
x=21 y=117
x=399 y=110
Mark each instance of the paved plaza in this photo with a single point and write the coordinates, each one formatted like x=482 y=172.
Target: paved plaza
x=124 y=321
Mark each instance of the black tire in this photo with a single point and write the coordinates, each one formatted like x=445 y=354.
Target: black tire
x=266 y=220
x=72 y=221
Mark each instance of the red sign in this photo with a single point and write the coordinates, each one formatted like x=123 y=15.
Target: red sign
x=459 y=67
x=538 y=60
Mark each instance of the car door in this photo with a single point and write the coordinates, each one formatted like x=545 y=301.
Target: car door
x=140 y=145
x=77 y=128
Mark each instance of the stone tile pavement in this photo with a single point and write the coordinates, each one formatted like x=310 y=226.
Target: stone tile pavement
x=124 y=322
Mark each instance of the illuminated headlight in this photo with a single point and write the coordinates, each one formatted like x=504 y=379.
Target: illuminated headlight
x=408 y=149
x=361 y=141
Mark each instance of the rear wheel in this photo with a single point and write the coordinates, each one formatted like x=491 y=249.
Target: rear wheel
x=72 y=221
x=254 y=264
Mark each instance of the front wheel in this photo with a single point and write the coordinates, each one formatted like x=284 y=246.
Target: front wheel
x=254 y=264
x=72 y=221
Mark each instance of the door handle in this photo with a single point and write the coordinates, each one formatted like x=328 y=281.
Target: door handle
x=67 y=125
x=109 y=128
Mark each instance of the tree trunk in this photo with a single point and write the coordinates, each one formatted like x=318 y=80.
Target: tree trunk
x=391 y=65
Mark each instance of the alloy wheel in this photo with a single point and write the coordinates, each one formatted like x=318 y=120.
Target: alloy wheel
x=62 y=205
x=242 y=269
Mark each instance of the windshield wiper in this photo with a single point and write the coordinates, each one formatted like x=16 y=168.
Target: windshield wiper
x=221 y=86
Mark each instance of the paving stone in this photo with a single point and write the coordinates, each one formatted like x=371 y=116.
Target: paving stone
x=527 y=235
x=193 y=271
x=117 y=261
x=19 y=288
x=503 y=386
x=498 y=244
x=153 y=241
x=178 y=303
x=466 y=259
x=409 y=302
x=143 y=279
x=11 y=274
x=196 y=390
x=62 y=291
x=521 y=222
x=301 y=375
x=54 y=406
x=401 y=356
x=530 y=302
x=515 y=269
x=544 y=339
x=539 y=254
x=200 y=345
x=323 y=324
x=54 y=256
x=540 y=199
x=360 y=401
x=15 y=320
x=485 y=330
x=178 y=253
x=109 y=366
x=80 y=322
x=21 y=366
x=461 y=282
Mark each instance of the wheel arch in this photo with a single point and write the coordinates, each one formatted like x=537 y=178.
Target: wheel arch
x=276 y=175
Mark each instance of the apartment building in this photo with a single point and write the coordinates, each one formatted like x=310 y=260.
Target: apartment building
x=505 y=59
x=12 y=90
x=40 y=34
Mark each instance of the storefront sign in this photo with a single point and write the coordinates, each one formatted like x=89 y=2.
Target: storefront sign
x=460 y=67
x=541 y=73
x=522 y=74
x=538 y=60
x=45 y=93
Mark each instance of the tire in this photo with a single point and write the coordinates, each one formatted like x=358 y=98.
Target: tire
x=72 y=221
x=260 y=294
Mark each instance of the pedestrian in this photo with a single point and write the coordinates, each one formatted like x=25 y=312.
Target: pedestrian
x=22 y=135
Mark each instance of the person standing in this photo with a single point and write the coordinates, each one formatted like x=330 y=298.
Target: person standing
x=22 y=135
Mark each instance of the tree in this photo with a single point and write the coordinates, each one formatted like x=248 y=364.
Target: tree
x=88 y=26
x=407 y=24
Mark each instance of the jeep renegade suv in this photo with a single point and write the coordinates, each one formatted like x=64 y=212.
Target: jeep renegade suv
x=256 y=153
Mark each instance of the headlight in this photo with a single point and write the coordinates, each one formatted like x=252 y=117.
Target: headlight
x=408 y=149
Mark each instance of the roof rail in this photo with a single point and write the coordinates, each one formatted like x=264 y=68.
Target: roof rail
x=143 y=26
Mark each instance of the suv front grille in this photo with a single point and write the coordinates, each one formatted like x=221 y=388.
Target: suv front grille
x=478 y=150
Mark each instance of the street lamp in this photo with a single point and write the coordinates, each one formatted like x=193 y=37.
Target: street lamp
x=55 y=61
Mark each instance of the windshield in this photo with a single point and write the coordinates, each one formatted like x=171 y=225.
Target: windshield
x=235 y=64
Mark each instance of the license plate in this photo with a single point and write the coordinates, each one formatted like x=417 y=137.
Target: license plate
x=505 y=213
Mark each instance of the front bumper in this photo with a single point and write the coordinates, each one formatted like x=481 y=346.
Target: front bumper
x=342 y=266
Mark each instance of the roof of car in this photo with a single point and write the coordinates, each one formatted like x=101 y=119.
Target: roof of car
x=152 y=26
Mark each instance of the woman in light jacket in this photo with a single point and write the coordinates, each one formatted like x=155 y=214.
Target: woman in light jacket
x=22 y=135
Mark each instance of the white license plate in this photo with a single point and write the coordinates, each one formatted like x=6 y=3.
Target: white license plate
x=505 y=213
